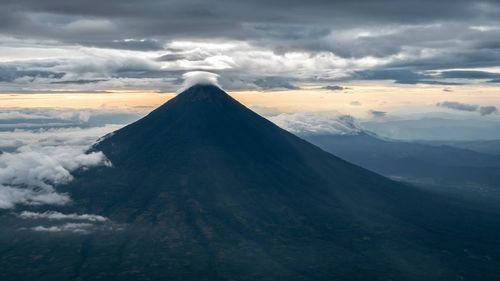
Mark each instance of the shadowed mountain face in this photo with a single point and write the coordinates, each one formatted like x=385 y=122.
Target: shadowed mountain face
x=204 y=189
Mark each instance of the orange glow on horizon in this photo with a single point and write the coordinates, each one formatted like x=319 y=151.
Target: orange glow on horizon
x=355 y=100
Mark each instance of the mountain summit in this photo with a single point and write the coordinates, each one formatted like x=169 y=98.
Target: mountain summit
x=205 y=189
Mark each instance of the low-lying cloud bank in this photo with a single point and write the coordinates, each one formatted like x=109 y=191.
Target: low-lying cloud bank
x=28 y=175
x=76 y=227
x=33 y=161
x=307 y=123
x=52 y=118
x=83 y=228
x=483 y=110
x=56 y=222
x=49 y=137
x=53 y=215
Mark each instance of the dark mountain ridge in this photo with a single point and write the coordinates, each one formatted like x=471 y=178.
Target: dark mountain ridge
x=443 y=165
x=205 y=189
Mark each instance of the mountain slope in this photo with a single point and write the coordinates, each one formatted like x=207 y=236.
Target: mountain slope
x=204 y=189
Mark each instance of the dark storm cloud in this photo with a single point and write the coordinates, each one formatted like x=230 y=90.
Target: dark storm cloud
x=403 y=76
x=431 y=77
x=269 y=83
x=469 y=74
x=122 y=19
x=483 y=110
x=458 y=106
x=7 y=73
x=130 y=44
x=400 y=76
x=409 y=11
x=10 y=73
x=487 y=110
x=377 y=113
x=334 y=88
x=80 y=81
x=451 y=57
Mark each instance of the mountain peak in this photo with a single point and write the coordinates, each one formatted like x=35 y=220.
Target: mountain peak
x=199 y=92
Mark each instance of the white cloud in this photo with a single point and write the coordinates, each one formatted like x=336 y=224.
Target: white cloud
x=317 y=123
x=40 y=166
x=27 y=176
x=12 y=196
x=198 y=77
x=44 y=114
x=70 y=223
x=53 y=215
x=73 y=136
x=82 y=228
x=32 y=162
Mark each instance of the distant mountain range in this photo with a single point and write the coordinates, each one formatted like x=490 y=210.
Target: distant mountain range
x=435 y=128
x=414 y=162
x=482 y=146
x=202 y=188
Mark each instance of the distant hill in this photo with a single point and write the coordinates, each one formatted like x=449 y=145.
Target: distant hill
x=482 y=146
x=438 y=164
x=439 y=129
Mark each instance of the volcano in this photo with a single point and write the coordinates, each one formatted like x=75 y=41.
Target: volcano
x=203 y=188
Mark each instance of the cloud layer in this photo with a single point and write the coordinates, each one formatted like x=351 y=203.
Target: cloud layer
x=56 y=222
x=27 y=175
x=34 y=160
x=82 y=228
x=53 y=215
x=48 y=45
x=317 y=123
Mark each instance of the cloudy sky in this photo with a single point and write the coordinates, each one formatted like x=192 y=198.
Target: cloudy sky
x=145 y=45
